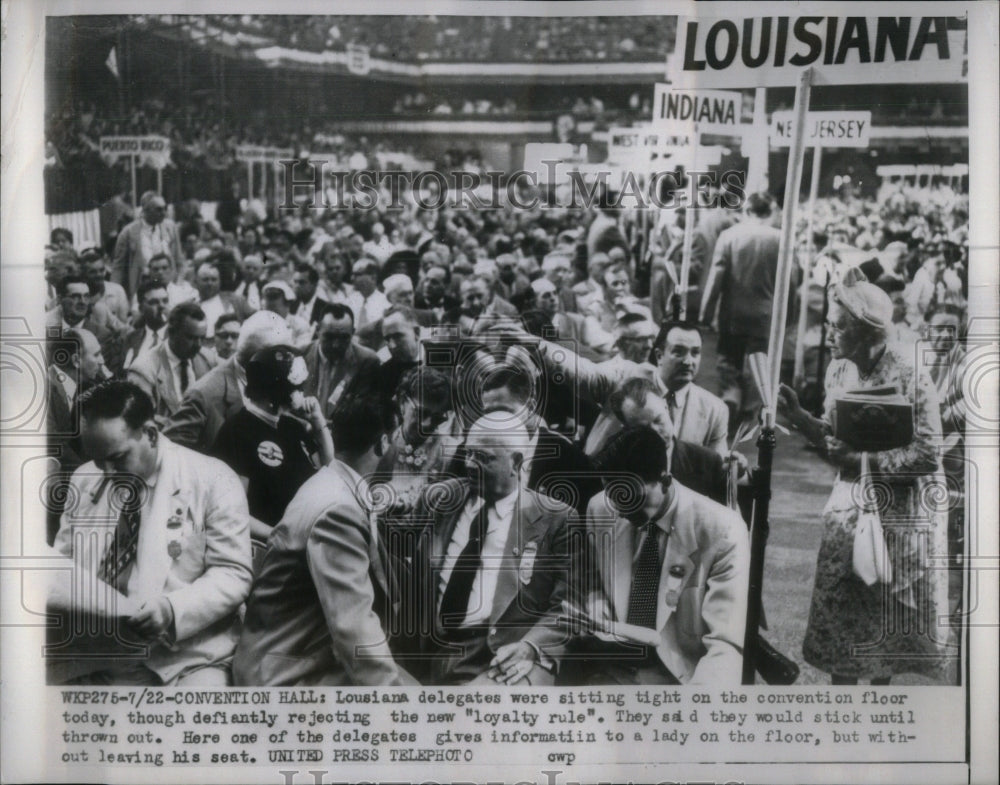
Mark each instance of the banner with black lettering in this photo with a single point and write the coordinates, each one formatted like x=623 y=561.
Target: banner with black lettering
x=771 y=51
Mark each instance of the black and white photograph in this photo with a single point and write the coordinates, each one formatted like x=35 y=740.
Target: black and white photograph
x=500 y=391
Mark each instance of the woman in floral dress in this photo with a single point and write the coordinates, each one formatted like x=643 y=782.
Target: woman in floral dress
x=857 y=631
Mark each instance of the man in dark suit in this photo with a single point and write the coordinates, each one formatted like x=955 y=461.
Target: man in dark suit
x=337 y=364
x=323 y=602
x=166 y=372
x=150 y=328
x=219 y=393
x=308 y=304
x=77 y=363
x=492 y=567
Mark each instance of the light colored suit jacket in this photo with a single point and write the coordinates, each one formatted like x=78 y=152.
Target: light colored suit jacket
x=207 y=404
x=129 y=262
x=209 y=578
x=704 y=420
x=151 y=372
x=702 y=597
x=317 y=613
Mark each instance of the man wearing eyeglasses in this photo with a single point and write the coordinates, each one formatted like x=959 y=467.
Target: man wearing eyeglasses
x=77 y=309
x=227 y=332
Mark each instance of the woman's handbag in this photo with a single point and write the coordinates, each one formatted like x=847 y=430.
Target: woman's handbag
x=871 y=556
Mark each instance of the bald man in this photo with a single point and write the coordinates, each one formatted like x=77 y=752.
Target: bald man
x=492 y=567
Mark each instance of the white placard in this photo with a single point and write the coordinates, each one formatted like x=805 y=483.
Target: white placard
x=708 y=109
x=824 y=129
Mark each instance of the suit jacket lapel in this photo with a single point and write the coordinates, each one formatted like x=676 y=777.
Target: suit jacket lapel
x=523 y=530
x=168 y=497
x=679 y=561
x=443 y=530
x=165 y=381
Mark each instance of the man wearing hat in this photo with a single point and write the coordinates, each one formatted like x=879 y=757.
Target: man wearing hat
x=278 y=440
x=278 y=298
x=149 y=234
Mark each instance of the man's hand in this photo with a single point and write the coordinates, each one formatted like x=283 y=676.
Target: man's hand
x=313 y=412
x=154 y=619
x=743 y=466
x=512 y=663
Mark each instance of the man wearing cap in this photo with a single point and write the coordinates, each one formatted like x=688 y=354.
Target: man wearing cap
x=148 y=235
x=278 y=298
x=278 y=440
x=219 y=393
x=167 y=371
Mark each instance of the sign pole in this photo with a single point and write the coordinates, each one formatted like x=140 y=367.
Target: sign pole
x=766 y=441
x=159 y=181
x=135 y=193
x=800 y=345
x=689 y=215
x=757 y=149
x=249 y=180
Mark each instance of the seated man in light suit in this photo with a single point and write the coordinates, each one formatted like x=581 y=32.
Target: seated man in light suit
x=492 y=567
x=667 y=598
x=326 y=594
x=169 y=529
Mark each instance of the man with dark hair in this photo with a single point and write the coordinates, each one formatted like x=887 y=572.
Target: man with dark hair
x=668 y=598
x=698 y=415
x=112 y=295
x=325 y=597
x=166 y=527
x=77 y=309
x=227 y=333
x=401 y=334
x=337 y=364
x=308 y=304
x=219 y=393
x=553 y=465
x=166 y=372
x=151 y=327
x=742 y=280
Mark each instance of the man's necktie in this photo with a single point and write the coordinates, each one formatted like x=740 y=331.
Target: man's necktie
x=645 y=582
x=156 y=339
x=455 y=600
x=672 y=405
x=185 y=380
x=116 y=565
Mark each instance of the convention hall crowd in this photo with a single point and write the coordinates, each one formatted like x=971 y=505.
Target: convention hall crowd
x=455 y=446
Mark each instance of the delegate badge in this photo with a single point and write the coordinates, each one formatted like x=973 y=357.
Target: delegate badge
x=174 y=549
x=527 y=566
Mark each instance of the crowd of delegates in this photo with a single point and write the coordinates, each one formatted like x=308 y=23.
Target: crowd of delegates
x=464 y=38
x=468 y=446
